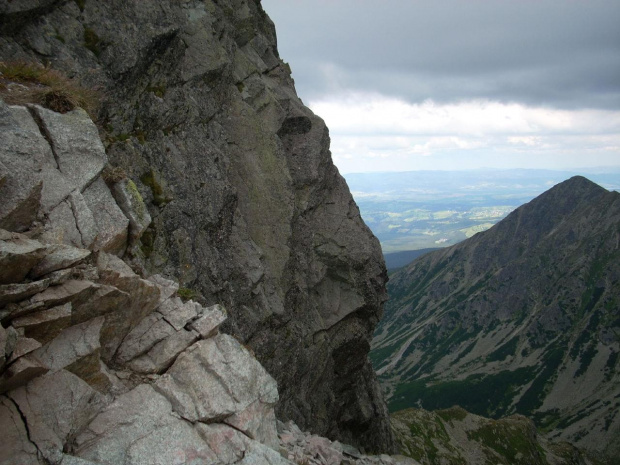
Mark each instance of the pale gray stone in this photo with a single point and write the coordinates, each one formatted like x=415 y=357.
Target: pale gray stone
x=84 y=219
x=23 y=153
x=46 y=324
x=208 y=324
x=20 y=372
x=258 y=421
x=179 y=313
x=70 y=291
x=174 y=444
x=56 y=406
x=216 y=378
x=112 y=224
x=18 y=255
x=8 y=339
x=72 y=460
x=131 y=203
x=167 y=288
x=16 y=292
x=60 y=226
x=76 y=144
x=145 y=296
x=228 y=443
x=58 y=257
x=36 y=172
x=16 y=448
x=163 y=354
x=259 y=454
x=131 y=416
x=23 y=346
x=71 y=345
x=143 y=337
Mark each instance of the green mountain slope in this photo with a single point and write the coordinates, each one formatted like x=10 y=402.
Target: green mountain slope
x=455 y=437
x=523 y=318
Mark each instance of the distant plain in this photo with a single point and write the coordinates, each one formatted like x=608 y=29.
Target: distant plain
x=428 y=209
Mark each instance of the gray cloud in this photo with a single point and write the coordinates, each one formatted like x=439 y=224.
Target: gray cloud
x=561 y=53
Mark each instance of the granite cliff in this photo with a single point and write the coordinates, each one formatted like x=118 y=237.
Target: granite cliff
x=522 y=318
x=222 y=182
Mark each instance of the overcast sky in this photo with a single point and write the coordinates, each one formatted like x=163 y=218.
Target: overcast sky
x=458 y=84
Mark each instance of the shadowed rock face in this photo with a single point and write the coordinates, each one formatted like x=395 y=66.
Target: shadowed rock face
x=247 y=208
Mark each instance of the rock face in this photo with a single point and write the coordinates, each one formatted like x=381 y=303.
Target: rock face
x=246 y=208
x=87 y=378
x=522 y=318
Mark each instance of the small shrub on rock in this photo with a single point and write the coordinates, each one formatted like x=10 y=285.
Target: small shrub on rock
x=22 y=82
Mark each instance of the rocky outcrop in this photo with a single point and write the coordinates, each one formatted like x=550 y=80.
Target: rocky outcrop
x=100 y=366
x=522 y=318
x=246 y=207
x=454 y=436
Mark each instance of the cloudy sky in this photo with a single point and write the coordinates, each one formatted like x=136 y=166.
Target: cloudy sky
x=458 y=84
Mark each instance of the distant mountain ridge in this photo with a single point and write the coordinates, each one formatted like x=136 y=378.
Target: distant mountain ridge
x=522 y=318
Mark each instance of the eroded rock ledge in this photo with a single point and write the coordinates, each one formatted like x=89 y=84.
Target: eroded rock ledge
x=98 y=364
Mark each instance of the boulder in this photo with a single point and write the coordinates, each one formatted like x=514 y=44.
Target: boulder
x=72 y=460
x=208 y=323
x=18 y=255
x=102 y=300
x=131 y=203
x=55 y=406
x=227 y=443
x=16 y=447
x=145 y=297
x=23 y=346
x=217 y=378
x=177 y=443
x=16 y=292
x=46 y=324
x=146 y=294
x=178 y=313
x=23 y=153
x=140 y=413
x=112 y=224
x=84 y=219
x=61 y=226
x=164 y=353
x=71 y=345
x=74 y=291
x=76 y=145
x=259 y=454
x=258 y=421
x=167 y=288
x=143 y=337
x=20 y=372
x=58 y=257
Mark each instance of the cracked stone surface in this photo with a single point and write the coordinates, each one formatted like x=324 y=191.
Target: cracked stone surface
x=246 y=209
x=216 y=378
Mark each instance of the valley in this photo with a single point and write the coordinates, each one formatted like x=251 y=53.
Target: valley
x=520 y=319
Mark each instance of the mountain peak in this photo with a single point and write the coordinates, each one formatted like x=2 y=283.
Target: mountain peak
x=577 y=186
x=526 y=311
x=569 y=195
